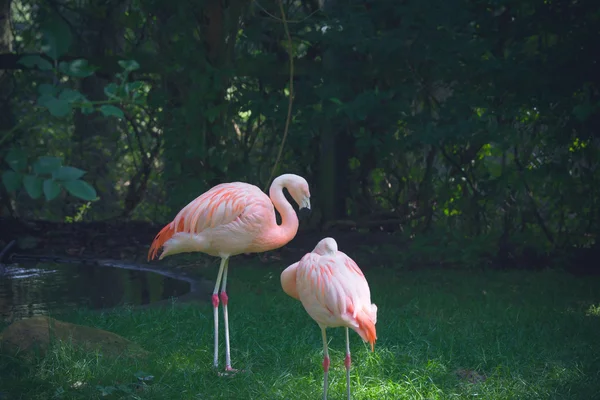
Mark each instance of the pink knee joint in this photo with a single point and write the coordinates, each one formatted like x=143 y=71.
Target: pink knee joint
x=326 y=364
x=347 y=361
x=224 y=298
x=215 y=300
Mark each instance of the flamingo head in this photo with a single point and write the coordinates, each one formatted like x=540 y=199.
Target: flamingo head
x=298 y=188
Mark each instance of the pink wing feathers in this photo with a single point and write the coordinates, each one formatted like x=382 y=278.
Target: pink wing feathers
x=334 y=292
x=219 y=206
x=288 y=281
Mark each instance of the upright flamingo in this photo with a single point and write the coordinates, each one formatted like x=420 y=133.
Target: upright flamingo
x=230 y=219
x=334 y=292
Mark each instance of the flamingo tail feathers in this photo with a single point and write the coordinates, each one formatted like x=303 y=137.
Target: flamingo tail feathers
x=366 y=328
x=165 y=234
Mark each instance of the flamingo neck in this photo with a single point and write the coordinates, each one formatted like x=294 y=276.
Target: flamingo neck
x=285 y=232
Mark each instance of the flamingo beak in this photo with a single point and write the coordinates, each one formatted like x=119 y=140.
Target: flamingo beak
x=304 y=210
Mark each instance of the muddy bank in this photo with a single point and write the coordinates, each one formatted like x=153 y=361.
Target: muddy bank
x=130 y=241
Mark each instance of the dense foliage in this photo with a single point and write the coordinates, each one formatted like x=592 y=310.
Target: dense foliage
x=475 y=121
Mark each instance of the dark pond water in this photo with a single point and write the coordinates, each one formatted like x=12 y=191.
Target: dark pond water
x=37 y=289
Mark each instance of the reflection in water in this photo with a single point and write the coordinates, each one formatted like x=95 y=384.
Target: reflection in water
x=28 y=290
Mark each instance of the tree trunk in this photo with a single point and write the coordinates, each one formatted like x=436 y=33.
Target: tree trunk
x=7 y=118
x=195 y=117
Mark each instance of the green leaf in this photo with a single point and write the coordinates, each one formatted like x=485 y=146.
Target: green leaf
x=129 y=65
x=58 y=107
x=33 y=186
x=336 y=101
x=47 y=89
x=16 y=159
x=78 y=68
x=35 y=61
x=56 y=37
x=81 y=189
x=108 y=110
x=11 y=180
x=111 y=90
x=46 y=165
x=495 y=169
x=51 y=189
x=67 y=173
x=44 y=99
x=133 y=87
x=70 y=95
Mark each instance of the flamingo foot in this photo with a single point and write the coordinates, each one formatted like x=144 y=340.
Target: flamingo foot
x=229 y=372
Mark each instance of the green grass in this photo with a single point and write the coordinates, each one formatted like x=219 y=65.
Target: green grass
x=530 y=335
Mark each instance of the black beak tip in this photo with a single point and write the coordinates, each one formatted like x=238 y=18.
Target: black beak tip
x=304 y=213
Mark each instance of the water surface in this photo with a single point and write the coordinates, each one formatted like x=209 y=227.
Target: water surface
x=27 y=290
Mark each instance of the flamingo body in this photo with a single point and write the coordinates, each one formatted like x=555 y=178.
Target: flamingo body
x=335 y=293
x=230 y=219
x=227 y=220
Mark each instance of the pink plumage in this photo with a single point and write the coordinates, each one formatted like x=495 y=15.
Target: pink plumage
x=233 y=218
x=230 y=219
x=335 y=293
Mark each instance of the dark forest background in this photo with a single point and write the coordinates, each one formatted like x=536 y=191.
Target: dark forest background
x=469 y=128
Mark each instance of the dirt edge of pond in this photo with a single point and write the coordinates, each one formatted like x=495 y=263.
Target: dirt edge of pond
x=129 y=241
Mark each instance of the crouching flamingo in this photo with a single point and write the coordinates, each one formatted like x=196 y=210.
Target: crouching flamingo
x=334 y=292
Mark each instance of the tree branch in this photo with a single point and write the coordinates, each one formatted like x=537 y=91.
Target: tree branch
x=291 y=87
x=536 y=212
x=151 y=64
x=459 y=169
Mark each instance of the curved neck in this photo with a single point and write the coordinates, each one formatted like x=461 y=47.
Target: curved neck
x=289 y=221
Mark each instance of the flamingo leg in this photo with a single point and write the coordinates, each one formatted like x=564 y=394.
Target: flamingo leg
x=215 y=303
x=347 y=363
x=225 y=300
x=325 y=363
